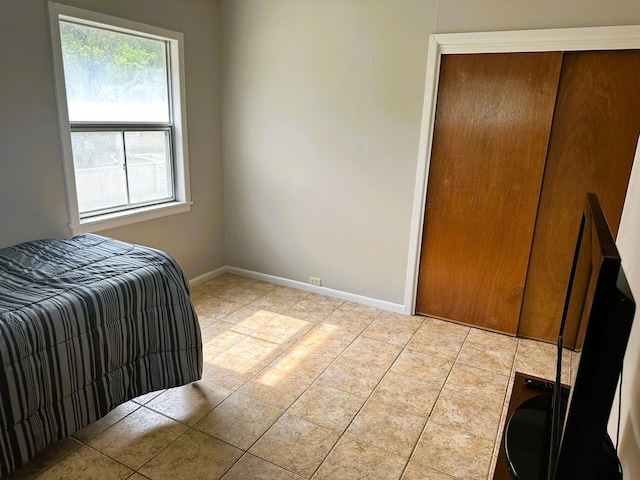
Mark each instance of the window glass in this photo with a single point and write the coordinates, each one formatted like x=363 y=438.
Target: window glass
x=112 y=76
x=149 y=166
x=98 y=159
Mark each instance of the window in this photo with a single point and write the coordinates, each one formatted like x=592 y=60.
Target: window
x=121 y=107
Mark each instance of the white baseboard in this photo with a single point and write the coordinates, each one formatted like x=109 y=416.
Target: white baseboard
x=351 y=297
x=207 y=276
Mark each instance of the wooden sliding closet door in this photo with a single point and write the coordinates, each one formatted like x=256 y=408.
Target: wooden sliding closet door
x=591 y=149
x=493 y=119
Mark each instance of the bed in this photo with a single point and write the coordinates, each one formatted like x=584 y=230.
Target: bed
x=85 y=325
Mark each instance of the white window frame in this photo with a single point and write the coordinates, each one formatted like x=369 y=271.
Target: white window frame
x=175 y=47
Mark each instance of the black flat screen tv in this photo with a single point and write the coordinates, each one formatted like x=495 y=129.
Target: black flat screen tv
x=563 y=435
x=599 y=291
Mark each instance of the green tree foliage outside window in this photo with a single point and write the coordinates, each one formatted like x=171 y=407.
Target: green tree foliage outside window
x=104 y=66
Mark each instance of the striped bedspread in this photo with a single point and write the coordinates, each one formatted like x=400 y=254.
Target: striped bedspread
x=85 y=325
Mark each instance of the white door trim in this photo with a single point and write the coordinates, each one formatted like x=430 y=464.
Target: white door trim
x=566 y=39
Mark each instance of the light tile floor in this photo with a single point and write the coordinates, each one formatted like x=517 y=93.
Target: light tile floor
x=299 y=385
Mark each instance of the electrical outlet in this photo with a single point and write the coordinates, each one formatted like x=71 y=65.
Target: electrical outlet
x=317 y=281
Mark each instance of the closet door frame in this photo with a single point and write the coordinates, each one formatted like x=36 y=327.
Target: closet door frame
x=566 y=39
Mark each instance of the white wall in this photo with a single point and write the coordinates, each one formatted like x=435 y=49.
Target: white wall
x=470 y=15
x=321 y=106
x=628 y=242
x=32 y=189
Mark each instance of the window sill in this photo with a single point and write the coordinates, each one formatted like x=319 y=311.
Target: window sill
x=119 y=219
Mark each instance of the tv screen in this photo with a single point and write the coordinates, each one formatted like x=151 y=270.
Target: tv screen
x=599 y=292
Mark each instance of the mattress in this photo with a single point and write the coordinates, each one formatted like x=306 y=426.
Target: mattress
x=85 y=325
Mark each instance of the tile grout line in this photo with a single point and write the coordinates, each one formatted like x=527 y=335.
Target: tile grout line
x=466 y=340
x=413 y=450
x=368 y=398
x=341 y=435
x=314 y=379
x=298 y=397
x=503 y=414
